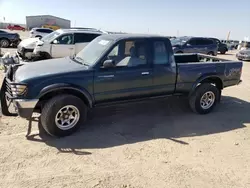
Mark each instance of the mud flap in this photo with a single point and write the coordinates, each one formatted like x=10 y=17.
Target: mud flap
x=5 y=101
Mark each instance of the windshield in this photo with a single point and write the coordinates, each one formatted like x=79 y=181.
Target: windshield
x=92 y=52
x=179 y=41
x=50 y=37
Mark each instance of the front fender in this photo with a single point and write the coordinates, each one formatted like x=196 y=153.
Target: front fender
x=63 y=86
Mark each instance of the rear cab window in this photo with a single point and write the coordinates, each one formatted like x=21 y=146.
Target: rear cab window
x=160 y=53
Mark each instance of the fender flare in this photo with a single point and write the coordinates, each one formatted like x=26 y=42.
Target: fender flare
x=201 y=79
x=57 y=87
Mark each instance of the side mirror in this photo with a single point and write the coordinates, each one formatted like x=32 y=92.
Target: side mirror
x=55 y=41
x=188 y=45
x=108 y=63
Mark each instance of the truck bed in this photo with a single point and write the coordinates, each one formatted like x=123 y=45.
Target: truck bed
x=194 y=67
x=196 y=58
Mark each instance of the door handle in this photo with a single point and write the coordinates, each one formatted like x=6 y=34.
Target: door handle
x=71 y=48
x=145 y=73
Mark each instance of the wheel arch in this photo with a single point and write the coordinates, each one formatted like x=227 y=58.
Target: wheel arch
x=208 y=79
x=58 y=89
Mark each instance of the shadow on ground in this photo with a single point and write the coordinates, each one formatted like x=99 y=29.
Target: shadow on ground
x=170 y=119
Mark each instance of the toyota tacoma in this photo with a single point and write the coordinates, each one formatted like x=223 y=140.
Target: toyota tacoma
x=113 y=69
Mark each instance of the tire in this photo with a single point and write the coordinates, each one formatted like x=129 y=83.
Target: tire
x=195 y=98
x=222 y=51
x=4 y=43
x=210 y=53
x=54 y=106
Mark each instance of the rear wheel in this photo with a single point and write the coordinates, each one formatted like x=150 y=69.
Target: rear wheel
x=204 y=98
x=4 y=43
x=63 y=115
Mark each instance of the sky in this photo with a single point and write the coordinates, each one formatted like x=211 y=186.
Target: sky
x=213 y=18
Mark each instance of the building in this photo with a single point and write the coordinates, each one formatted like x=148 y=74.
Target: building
x=40 y=20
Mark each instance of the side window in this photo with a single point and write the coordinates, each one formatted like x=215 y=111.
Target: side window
x=192 y=42
x=65 y=39
x=40 y=30
x=199 y=42
x=47 y=31
x=84 y=37
x=129 y=54
x=160 y=53
x=206 y=42
x=217 y=41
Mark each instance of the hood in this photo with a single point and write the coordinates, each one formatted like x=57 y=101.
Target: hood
x=29 y=43
x=47 y=68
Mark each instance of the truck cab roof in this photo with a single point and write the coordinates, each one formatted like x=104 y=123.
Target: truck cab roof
x=117 y=37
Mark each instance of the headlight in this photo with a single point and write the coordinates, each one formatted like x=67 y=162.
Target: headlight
x=18 y=89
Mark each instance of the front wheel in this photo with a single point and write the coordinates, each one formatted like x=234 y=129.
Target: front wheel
x=63 y=115
x=204 y=98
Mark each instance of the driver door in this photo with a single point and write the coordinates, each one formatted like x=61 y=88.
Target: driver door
x=63 y=46
x=124 y=80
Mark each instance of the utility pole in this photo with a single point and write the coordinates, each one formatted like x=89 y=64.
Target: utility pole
x=228 y=35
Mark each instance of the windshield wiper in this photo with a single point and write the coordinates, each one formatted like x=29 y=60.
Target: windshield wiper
x=81 y=60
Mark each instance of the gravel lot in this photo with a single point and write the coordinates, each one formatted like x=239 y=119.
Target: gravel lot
x=155 y=144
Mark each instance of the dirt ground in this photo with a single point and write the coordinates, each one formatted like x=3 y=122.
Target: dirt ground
x=155 y=144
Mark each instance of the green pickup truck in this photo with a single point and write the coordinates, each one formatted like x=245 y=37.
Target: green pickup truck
x=112 y=69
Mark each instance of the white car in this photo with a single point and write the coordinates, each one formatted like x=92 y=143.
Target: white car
x=40 y=32
x=60 y=43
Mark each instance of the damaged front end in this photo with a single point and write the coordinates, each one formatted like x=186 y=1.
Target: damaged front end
x=10 y=91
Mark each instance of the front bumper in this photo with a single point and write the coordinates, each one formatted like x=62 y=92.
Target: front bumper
x=25 y=107
x=22 y=51
x=10 y=102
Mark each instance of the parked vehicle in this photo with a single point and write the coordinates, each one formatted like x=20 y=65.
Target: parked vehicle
x=53 y=27
x=245 y=45
x=114 y=69
x=194 y=45
x=15 y=27
x=222 y=47
x=64 y=42
x=40 y=32
x=244 y=55
x=9 y=39
x=60 y=43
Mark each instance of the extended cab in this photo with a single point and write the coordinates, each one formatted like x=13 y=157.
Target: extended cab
x=113 y=69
